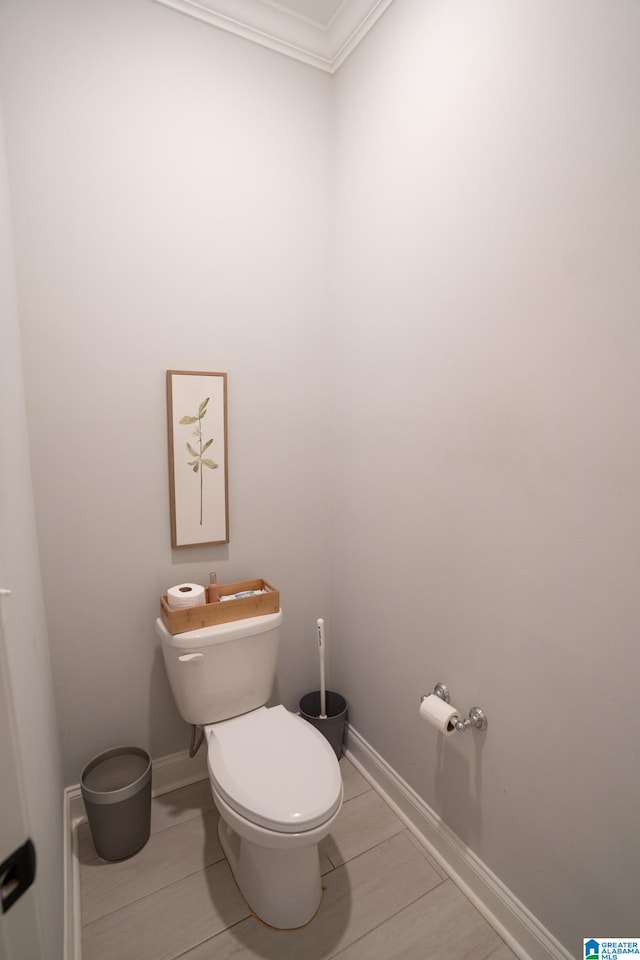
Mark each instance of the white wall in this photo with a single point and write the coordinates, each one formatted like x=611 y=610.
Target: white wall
x=169 y=185
x=486 y=517
x=24 y=631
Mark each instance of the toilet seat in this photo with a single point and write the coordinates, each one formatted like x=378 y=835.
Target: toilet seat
x=275 y=769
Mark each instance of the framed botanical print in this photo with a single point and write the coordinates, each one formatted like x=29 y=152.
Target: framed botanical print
x=197 y=427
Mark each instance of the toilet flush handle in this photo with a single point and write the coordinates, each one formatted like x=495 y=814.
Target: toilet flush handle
x=191 y=657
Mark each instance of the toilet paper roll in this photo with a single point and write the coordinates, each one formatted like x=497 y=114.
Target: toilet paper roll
x=442 y=715
x=185 y=595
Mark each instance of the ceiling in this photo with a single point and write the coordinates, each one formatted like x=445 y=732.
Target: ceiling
x=320 y=32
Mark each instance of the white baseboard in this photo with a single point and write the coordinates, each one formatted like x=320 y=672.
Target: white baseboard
x=168 y=773
x=72 y=949
x=517 y=926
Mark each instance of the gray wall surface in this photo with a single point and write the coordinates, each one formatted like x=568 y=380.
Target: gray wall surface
x=486 y=521
x=169 y=184
x=37 y=770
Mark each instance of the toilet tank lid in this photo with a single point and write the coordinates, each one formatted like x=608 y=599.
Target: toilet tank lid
x=221 y=632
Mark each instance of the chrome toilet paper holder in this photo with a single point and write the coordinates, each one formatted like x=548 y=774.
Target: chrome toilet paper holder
x=476 y=719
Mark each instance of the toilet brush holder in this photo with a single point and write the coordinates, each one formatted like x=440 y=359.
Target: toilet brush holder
x=331 y=726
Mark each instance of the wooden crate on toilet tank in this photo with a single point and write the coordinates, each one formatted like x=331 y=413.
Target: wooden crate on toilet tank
x=222 y=611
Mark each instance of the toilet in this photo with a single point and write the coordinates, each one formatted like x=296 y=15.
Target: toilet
x=275 y=779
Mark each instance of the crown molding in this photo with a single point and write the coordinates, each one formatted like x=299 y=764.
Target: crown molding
x=322 y=45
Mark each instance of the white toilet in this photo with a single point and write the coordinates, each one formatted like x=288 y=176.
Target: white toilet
x=275 y=779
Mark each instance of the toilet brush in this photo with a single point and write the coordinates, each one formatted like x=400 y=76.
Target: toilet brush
x=331 y=718
x=323 y=695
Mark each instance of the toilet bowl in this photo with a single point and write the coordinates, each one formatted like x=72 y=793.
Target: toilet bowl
x=278 y=789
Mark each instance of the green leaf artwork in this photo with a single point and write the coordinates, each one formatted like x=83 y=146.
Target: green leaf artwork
x=198 y=461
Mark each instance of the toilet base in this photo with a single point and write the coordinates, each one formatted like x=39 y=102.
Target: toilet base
x=282 y=887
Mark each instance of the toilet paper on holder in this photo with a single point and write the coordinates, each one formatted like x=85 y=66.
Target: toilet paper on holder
x=440 y=714
x=186 y=595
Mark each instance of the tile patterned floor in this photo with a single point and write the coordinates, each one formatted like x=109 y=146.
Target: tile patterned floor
x=384 y=897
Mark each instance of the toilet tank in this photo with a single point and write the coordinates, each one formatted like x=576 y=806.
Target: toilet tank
x=219 y=672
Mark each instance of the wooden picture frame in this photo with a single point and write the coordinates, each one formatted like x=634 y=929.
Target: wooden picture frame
x=198 y=476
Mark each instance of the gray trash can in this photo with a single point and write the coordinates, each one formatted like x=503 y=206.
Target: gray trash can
x=116 y=789
x=331 y=726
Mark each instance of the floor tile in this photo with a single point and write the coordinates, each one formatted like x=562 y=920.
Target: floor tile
x=86 y=849
x=363 y=822
x=502 y=952
x=358 y=896
x=353 y=781
x=190 y=801
x=325 y=864
x=425 y=853
x=168 y=922
x=168 y=856
x=441 y=925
